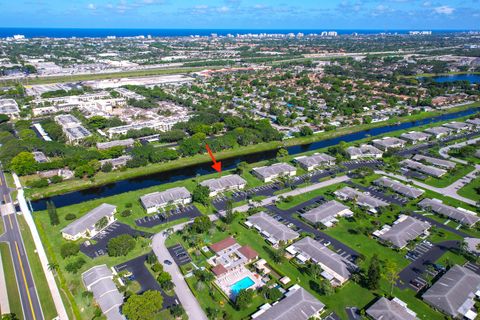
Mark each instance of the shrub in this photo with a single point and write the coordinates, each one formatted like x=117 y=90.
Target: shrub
x=70 y=216
x=40 y=183
x=74 y=266
x=69 y=249
x=56 y=179
x=121 y=245
x=126 y=213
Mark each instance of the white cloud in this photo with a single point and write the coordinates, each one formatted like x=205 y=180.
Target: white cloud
x=223 y=9
x=447 y=10
x=91 y=6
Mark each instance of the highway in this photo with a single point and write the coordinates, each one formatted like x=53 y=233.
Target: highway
x=23 y=274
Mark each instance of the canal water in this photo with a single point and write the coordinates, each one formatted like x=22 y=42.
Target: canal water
x=205 y=168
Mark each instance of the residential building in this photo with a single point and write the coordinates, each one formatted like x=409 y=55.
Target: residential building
x=394 y=309
x=40 y=157
x=336 y=269
x=228 y=266
x=438 y=132
x=86 y=226
x=159 y=124
x=415 y=136
x=446 y=164
x=454 y=293
x=272 y=230
x=472 y=245
x=115 y=143
x=364 y=151
x=9 y=107
x=314 y=161
x=117 y=162
x=223 y=184
x=457 y=126
x=152 y=202
x=360 y=198
x=327 y=213
x=388 y=143
x=99 y=281
x=72 y=127
x=298 y=304
x=398 y=187
x=404 y=229
x=461 y=215
x=269 y=173
x=423 y=168
x=475 y=123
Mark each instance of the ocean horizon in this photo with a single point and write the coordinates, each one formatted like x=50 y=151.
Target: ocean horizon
x=132 y=32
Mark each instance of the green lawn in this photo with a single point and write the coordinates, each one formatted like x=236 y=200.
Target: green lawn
x=9 y=273
x=471 y=190
x=450 y=177
x=296 y=200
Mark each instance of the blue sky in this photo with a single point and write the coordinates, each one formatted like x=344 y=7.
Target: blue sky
x=246 y=14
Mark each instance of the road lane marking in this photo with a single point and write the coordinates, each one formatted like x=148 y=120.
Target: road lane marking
x=11 y=224
x=25 y=281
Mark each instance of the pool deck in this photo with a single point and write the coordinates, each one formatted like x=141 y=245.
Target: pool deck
x=226 y=281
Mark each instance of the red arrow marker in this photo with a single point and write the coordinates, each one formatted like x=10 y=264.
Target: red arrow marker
x=216 y=165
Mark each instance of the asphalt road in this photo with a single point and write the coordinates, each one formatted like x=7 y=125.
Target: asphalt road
x=23 y=274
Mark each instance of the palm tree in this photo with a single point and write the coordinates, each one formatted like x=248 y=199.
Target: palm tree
x=53 y=267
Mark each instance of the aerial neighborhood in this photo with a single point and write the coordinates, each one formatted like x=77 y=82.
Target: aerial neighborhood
x=240 y=175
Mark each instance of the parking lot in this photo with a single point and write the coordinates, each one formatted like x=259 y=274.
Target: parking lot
x=101 y=239
x=150 y=221
x=419 y=250
x=179 y=254
x=144 y=277
x=286 y=217
x=379 y=194
x=413 y=275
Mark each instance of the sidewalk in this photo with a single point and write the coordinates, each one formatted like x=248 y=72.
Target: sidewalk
x=57 y=299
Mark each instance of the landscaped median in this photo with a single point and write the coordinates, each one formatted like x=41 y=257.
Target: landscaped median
x=105 y=178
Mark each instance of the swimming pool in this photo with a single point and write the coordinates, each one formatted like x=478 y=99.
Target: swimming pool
x=244 y=283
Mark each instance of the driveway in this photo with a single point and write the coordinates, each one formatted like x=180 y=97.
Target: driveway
x=186 y=297
x=146 y=280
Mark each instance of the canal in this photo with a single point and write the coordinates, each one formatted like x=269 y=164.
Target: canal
x=205 y=168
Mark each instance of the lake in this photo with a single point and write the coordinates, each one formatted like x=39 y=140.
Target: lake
x=472 y=78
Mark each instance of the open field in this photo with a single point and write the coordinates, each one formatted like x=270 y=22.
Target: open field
x=102 y=76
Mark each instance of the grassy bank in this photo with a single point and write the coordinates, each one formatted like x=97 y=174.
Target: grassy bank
x=12 y=289
x=105 y=178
